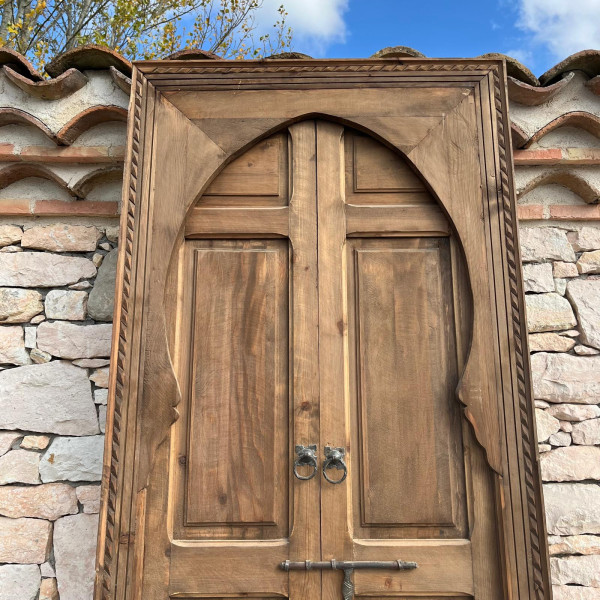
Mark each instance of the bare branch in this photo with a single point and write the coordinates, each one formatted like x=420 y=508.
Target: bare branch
x=41 y=29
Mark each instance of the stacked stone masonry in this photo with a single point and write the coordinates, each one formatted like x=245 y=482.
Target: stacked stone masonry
x=61 y=153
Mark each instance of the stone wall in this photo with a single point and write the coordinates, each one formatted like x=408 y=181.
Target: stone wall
x=59 y=195
x=61 y=152
x=557 y=172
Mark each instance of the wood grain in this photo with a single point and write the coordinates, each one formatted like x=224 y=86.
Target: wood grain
x=408 y=433
x=239 y=394
x=436 y=124
x=251 y=221
x=257 y=178
x=379 y=221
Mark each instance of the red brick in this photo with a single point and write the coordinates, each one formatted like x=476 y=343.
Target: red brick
x=530 y=212
x=7 y=149
x=74 y=154
x=576 y=212
x=80 y=208
x=19 y=206
x=551 y=156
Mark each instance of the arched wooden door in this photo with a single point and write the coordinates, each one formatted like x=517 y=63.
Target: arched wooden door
x=320 y=305
x=317 y=377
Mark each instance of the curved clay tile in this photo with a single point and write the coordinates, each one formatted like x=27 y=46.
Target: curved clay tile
x=583 y=120
x=192 y=54
x=594 y=84
x=97 y=177
x=87 y=119
x=519 y=137
x=290 y=55
x=514 y=68
x=15 y=116
x=398 y=52
x=17 y=171
x=88 y=57
x=523 y=93
x=120 y=80
x=17 y=62
x=567 y=179
x=587 y=61
x=48 y=89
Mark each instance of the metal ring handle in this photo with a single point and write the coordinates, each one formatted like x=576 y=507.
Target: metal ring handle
x=334 y=459
x=307 y=457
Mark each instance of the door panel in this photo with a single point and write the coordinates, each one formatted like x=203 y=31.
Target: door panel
x=375 y=173
x=258 y=178
x=238 y=417
x=403 y=375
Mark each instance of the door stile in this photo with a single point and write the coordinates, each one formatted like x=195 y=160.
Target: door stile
x=333 y=351
x=305 y=534
x=481 y=483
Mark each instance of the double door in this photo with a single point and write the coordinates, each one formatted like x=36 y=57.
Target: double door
x=320 y=302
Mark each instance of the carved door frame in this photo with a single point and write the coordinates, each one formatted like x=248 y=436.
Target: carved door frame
x=160 y=134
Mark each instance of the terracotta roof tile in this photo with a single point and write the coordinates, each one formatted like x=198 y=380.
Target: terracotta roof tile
x=519 y=137
x=581 y=119
x=18 y=63
x=87 y=119
x=18 y=171
x=398 y=52
x=15 y=116
x=88 y=57
x=570 y=179
x=97 y=177
x=587 y=61
x=288 y=55
x=514 y=68
x=48 y=89
x=594 y=84
x=192 y=54
x=531 y=95
x=121 y=80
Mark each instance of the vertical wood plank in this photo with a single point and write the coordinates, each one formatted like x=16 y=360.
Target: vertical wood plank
x=305 y=539
x=333 y=354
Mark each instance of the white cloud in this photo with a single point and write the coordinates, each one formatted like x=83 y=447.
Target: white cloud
x=523 y=55
x=562 y=26
x=316 y=23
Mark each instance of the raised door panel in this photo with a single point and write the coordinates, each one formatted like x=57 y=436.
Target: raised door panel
x=236 y=416
x=403 y=375
x=257 y=178
x=377 y=175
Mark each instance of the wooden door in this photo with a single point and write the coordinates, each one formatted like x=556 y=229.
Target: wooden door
x=393 y=322
x=345 y=281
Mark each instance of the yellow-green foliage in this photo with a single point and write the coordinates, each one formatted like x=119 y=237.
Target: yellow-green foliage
x=41 y=29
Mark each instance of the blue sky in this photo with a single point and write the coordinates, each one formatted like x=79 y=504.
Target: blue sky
x=537 y=32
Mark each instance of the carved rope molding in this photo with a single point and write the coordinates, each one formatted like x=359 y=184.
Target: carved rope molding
x=315 y=67
x=528 y=442
x=128 y=229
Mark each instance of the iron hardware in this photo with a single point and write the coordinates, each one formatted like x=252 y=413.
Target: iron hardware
x=348 y=566
x=334 y=459
x=307 y=457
